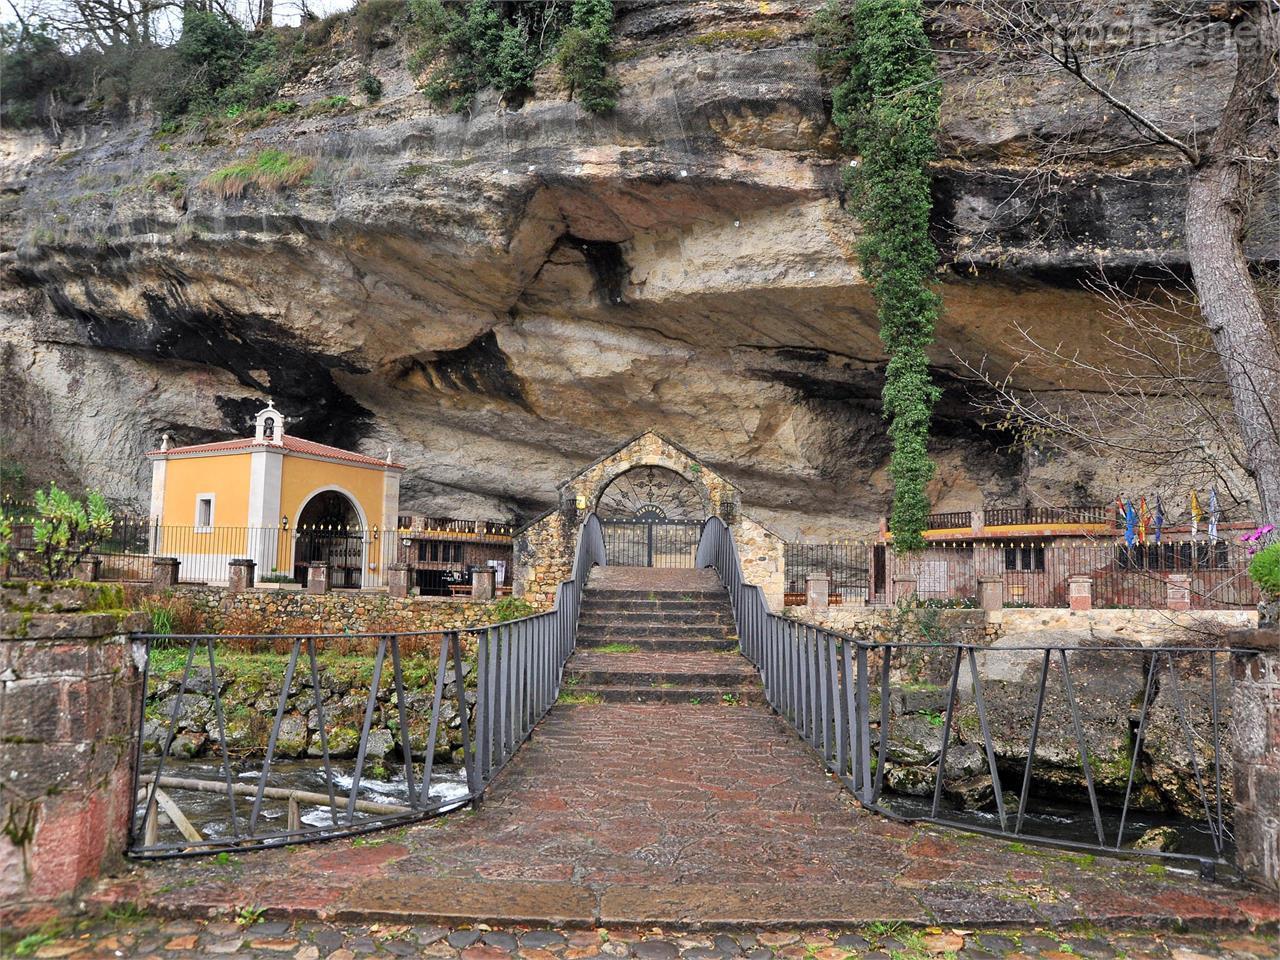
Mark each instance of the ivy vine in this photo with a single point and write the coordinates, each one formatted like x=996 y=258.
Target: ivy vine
x=885 y=103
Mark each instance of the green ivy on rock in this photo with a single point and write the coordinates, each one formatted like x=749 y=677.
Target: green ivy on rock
x=885 y=104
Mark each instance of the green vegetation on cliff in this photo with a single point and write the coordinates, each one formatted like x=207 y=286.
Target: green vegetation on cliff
x=886 y=106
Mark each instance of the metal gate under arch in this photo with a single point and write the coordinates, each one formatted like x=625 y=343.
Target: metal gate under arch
x=651 y=516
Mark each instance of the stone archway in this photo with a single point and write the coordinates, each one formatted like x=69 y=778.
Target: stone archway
x=651 y=492
x=330 y=529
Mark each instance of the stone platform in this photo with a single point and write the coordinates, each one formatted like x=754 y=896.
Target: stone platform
x=682 y=815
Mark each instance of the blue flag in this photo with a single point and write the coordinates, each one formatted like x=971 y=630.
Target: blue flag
x=1130 y=523
x=1159 y=517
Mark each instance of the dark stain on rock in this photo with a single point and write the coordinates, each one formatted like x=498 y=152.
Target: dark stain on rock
x=479 y=368
x=608 y=267
x=260 y=353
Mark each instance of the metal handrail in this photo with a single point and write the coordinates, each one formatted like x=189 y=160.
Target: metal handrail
x=821 y=680
x=519 y=670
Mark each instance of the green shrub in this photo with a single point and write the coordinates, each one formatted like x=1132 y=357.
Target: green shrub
x=218 y=65
x=66 y=529
x=1264 y=569
x=510 y=608
x=371 y=87
x=584 y=55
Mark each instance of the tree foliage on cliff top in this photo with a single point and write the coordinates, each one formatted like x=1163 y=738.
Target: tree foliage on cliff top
x=886 y=103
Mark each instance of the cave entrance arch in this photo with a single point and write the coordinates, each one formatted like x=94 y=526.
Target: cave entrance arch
x=329 y=529
x=651 y=516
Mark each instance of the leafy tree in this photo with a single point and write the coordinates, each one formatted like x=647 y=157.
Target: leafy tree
x=34 y=71
x=217 y=64
x=886 y=106
x=65 y=529
x=584 y=55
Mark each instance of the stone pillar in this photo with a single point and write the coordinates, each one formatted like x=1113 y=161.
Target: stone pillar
x=1255 y=753
x=817 y=590
x=903 y=587
x=991 y=592
x=240 y=575
x=69 y=709
x=398 y=579
x=1080 y=591
x=318 y=576
x=164 y=571
x=1178 y=591
x=482 y=587
x=89 y=569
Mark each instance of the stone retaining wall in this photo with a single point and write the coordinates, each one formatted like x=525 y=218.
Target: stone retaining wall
x=69 y=709
x=292 y=611
x=1255 y=735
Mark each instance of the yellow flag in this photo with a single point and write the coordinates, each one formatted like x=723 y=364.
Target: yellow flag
x=1196 y=513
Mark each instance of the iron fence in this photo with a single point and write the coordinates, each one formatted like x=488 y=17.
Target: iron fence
x=491 y=684
x=1015 y=516
x=846 y=567
x=836 y=691
x=651 y=543
x=948 y=521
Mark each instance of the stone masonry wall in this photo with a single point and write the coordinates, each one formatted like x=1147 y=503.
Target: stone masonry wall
x=1141 y=627
x=1255 y=734
x=291 y=611
x=69 y=702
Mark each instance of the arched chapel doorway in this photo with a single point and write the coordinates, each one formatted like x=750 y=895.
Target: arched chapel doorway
x=651 y=516
x=329 y=529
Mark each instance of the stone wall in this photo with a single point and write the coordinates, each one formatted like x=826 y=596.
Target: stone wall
x=761 y=553
x=1255 y=734
x=1139 y=627
x=69 y=701
x=293 y=611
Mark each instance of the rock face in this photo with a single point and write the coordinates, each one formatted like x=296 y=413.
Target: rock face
x=503 y=296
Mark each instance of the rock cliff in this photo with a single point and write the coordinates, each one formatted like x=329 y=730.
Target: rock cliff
x=502 y=296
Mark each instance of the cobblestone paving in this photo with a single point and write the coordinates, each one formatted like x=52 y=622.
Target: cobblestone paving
x=142 y=937
x=670 y=814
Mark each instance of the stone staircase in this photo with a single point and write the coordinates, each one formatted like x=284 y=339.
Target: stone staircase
x=654 y=635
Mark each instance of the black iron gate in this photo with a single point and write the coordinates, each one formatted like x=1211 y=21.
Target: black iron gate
x=651 y=542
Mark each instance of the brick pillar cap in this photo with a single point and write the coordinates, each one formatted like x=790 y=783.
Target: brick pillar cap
x=991 y=578
x=1078 y=577
x=241 y=562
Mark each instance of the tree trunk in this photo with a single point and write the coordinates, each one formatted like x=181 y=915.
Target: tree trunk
x=265 y=17
x=1246 y=339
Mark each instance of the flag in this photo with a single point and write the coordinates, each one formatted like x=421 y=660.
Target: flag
x=1213 y=514
x=1144 y=518
x=1159 y=517
x=1196 y=515
x=1130 y=523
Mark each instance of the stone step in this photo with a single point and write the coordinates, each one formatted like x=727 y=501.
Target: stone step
x=675 y=631
x=657 y=669
x=649 y=624
x=698 y=695
x=663 y=579
x=667 y=643
x=660 y=607
x=695 y=594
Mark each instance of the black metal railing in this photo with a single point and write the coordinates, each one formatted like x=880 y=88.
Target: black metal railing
x=948 y=521
x=1016 y=516
x=837 y=691
x=846 y=566
x=491 y=683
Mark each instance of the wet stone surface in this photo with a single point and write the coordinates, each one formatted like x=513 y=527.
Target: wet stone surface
x=138 y=937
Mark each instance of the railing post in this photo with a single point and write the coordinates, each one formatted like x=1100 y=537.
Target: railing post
x=1178 y=591
x=817 y=591
x=991 y=592
x=318 y=576
x=164 y=571
x=1080 y=591
x=240 y=575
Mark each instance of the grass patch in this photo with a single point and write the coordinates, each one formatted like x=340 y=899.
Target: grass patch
x=267 y=170
x=616 y=648
x=581 y=699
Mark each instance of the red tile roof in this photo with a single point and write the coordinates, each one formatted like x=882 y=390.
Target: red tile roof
x=292 y=444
